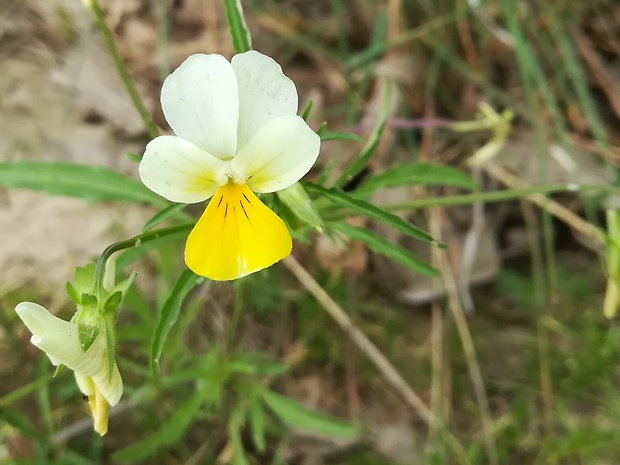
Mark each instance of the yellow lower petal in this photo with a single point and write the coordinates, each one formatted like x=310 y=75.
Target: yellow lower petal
x=99 y=410
x=236 y=235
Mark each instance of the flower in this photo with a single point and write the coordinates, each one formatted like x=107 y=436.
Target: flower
x=59 y=339
x=237 y=133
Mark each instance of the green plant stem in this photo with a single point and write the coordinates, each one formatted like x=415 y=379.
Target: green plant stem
x=133 y=242
x=101 y=23
x=497 y=196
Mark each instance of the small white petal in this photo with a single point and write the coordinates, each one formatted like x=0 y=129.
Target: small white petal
x=59 y=339
x=278 y=155
x=178 y=170
x=265 y=93
x=110 y=388
x=201 y=103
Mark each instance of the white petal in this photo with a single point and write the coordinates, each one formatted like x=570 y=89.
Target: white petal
x=59 y=339
x=85 y=383
x=201 y=103
x=110 y=388
x=265 y=93
x=278 y=155
x=178 y=170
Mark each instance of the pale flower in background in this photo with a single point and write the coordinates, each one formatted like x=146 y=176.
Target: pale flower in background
x=237 y=132
x=59 y=339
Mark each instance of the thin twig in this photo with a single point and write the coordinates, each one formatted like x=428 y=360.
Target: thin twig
x=150 y=127
x=385 y=367
x=475 y=373
x=560 y=212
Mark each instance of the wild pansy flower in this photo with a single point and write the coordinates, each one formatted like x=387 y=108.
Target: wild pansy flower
x=60 y=340
x=87 y=343
x=237 y=133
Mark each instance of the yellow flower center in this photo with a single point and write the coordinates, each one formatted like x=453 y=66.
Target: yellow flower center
x=236 y=235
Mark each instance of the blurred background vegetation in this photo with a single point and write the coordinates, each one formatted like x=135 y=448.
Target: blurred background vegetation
x=509 y=348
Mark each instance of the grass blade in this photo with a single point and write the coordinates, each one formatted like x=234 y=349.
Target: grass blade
x=384 y=247
x=170 y=313
x=364 y=208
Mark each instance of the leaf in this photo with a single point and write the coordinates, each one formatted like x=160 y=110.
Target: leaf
x=169 y=433
x=257 y=424
x=92 y=183
x=298 y=416
x=338 y=135
x=385 y=247
x=242 y=41
x=163 y=215
x=358 y=165
x=369 y=210
x=170 y=313
x=417 y=173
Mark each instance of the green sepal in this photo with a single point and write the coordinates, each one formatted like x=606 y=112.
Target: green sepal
x=73 y=293
x=58 y=370
x=84 y=280
x=111 y=305
x=88 y=321
x=109 y=320
x=296 y=198
x=124 y=285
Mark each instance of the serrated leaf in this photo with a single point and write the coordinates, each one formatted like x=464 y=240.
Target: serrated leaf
x=92 y=183
x=169 y=314
x=169 y=433
x=298 y=416
x=417 y=173
x=362 y=207
x=242 y=41
x=384 y=247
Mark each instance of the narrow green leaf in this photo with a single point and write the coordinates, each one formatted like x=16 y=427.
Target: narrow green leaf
x=242 y=41
x=362 y=207
x=368 y=150
x=257 y=424
x=92 y=183
x=163 y=215
x=169 y=433
x=417 y=173
x=306 y=112
x=298 y=416
x=338 y=135
x=385 y=247
x=17 y=420
x=170 y=313
x=74 y=295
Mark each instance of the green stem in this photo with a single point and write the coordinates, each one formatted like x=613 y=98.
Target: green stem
x=150 y=127
x=133 y=242
x=496 y=196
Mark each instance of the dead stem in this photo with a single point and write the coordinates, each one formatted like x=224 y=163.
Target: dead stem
x=562 y=213
x=385 y=367
x=454 y=304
